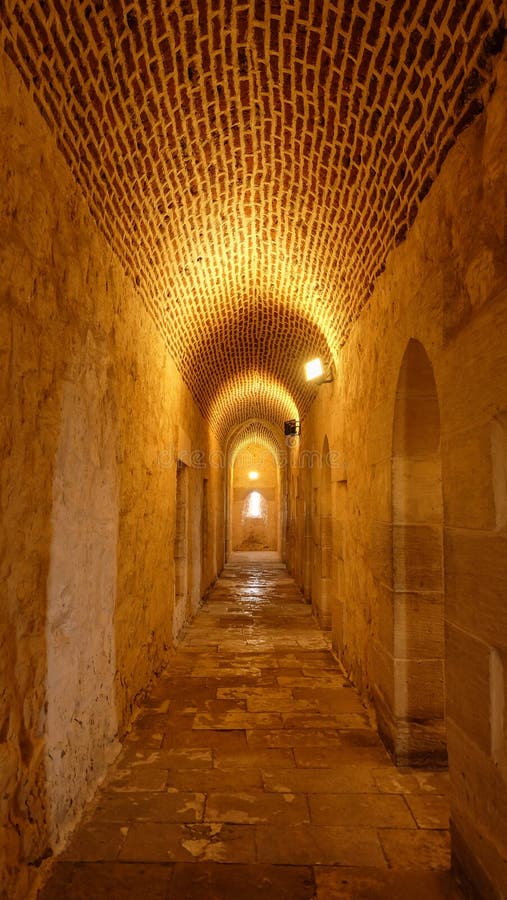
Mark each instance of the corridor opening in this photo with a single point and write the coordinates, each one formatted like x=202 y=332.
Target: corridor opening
x=254 y=500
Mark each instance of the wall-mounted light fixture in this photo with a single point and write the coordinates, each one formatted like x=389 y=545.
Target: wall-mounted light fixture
x=318 y=372
x=292 y=427
x=253 y=476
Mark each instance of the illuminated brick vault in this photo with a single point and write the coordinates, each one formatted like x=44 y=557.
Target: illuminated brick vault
x=259 y=433
x=252 y=164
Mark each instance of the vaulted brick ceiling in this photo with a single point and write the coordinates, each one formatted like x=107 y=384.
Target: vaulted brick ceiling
x=260 y=433
x=253 y=163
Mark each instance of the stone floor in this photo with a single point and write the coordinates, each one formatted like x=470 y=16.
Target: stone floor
x=253 y=770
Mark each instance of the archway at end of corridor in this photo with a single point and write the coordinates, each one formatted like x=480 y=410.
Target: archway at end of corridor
x=256 y=490
x=254 y=500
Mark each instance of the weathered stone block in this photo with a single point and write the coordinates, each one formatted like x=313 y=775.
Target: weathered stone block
x=418 y=625
x=419 y=688
x=476 y=582
x=469 y=492
x=417 y=558
x=380 y=552
x=416 y=491
x=468 y=693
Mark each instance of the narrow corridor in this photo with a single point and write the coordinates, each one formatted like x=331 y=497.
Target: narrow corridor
x=254 y=770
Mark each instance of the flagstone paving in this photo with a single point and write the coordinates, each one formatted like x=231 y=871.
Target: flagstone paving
x=254 y=769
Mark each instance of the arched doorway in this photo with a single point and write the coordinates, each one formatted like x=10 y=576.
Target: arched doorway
x=181 y=595
x=255 y=494
x=322 y=584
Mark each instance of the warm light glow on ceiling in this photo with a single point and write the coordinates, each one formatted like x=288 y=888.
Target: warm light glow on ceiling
x=314 y=369
x=236 y=284
x=258 y=436
x=253 y=476
x=252 y=394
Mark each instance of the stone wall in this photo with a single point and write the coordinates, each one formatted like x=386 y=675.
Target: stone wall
x=444 y=289
x=90 y=410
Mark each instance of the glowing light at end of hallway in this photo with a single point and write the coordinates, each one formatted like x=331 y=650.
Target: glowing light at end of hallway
x=253 y=476
x=254 y=506
x=314 y=369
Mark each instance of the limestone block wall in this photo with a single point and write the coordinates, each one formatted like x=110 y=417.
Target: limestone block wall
x=445 y=288
x=90 y=407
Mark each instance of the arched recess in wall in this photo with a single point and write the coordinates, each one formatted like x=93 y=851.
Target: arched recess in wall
x=322 y=536
x=418 y=650
x=295 y=560
x=181 y=597
x=307 y=504
x=291 y=518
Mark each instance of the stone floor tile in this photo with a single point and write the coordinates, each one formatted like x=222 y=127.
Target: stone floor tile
x=237 y=645
x=271 y=758
x=298 y=658
x=123 y=808
x=264 y=678
x=363 y=810
x=332 y=700
x=210 y=881
x=219 y=707
x=182 y=758
x=157 y=704
x=303 y=681
x=319 y=846
x=292 y=737
x=288 y=706
x=236 y=720
x=330 y=674
x=299 y=720
x=139 y=745
x=332 y=758
x=138 y=778
x=181 y=684
x=246 y=692
x=412 y=781
x=215 y=842
x=249 y=808
x=107 y=881
x=346 y=780
x=429 y=810
x=188 y=703
x=360 y=737
x=387 y=884
x=157 y=723
x=219 y=780
x=95 y=842
x=209 y=738
x=404 y=848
